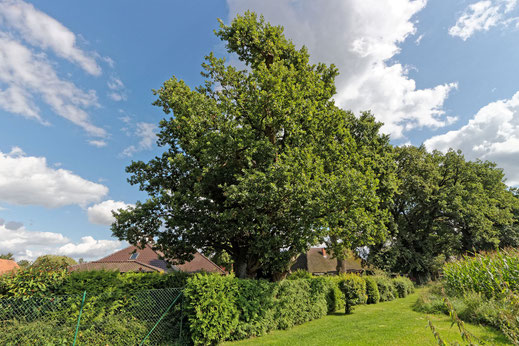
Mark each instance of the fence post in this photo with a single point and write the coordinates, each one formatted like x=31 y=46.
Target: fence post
x=79 y=318
x=181 y=316
x=160 y=319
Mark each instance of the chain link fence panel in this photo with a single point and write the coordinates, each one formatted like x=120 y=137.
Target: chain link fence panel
x=151 y=317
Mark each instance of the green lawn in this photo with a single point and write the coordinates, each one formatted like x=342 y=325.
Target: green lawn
x=390 y=323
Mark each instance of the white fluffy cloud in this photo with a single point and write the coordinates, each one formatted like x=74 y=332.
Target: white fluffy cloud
x=97 y=143
x=117 y=89
x=360 y=37
x=492 y=134
x=28 y=180
x=90 y=248
x=26 y=244
x=43 y=31
x=481 y=16
x=29 y=75
x=147 y=135
x=101 y=213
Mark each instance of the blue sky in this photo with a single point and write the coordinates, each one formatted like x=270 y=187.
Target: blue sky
x=76 y=80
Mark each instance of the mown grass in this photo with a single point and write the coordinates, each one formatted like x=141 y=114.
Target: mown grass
x=389 y=323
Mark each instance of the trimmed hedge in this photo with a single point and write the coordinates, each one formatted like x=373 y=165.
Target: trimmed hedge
x=403 y=286
x=39 y=282
x=386 y=288
x=226 y=308
x=354 y=289
x=372 y=290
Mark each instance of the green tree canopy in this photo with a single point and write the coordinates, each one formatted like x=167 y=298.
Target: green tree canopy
x=53 y=262
x=7 y=256
x=446 y=206
x=24 y=263
x=259 y=163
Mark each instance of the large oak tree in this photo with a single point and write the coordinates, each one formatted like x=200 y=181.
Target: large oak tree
x=259 y=162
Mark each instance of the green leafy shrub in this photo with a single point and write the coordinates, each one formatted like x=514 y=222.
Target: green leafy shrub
x=300 y=274
x=30 y=282
x=210 y=306
x=318 y=304
x=110 y=331
x=354 y=289
x=54 y=262
x=226 y=308
x=334 y=296
x=372 y=290
x=403 y=286
x=291 y=303
x=386 y=288
x=255 y=302
x=103 y=281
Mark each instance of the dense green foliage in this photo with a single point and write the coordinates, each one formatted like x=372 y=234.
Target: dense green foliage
x=445 y=207
x=109 y=331
x=53 y=262
x=227 y=308
x=372 y=290
x=210 y=304
x=224 y=307
x=486 y=273
x=354 y=289
x=386 y=288
x=482 y=289
x=41 y=281
x=7 y=256
x=260 y=163
x=31 y=281
x=403 y=286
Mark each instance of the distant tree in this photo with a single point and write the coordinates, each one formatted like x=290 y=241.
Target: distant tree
x=8 y=256
x=24 y=263
x=446 y=206
x=509 y=233
x=259 y=163
x=81 y=260
x=53 y=261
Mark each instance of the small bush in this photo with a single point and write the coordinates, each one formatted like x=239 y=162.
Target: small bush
x=403 y=286
x=354 y=289
x=372 y=290
x=386 y=288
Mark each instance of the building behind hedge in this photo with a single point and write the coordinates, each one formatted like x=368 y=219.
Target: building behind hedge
x=319 y=262
x=135 y=259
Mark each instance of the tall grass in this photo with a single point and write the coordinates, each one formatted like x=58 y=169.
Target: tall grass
x=491 y=274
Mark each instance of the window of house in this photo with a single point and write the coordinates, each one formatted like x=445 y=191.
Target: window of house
x=134 y=255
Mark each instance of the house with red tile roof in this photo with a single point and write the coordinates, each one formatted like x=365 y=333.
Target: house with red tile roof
x=7 y=266
x=319 y=262
x=135 y=259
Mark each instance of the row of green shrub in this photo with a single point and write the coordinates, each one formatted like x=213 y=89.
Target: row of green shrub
x=41 y=306
x=226 y=308
x=39 y=282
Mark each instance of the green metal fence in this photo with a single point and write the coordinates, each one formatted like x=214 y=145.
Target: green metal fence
x=151 y=317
